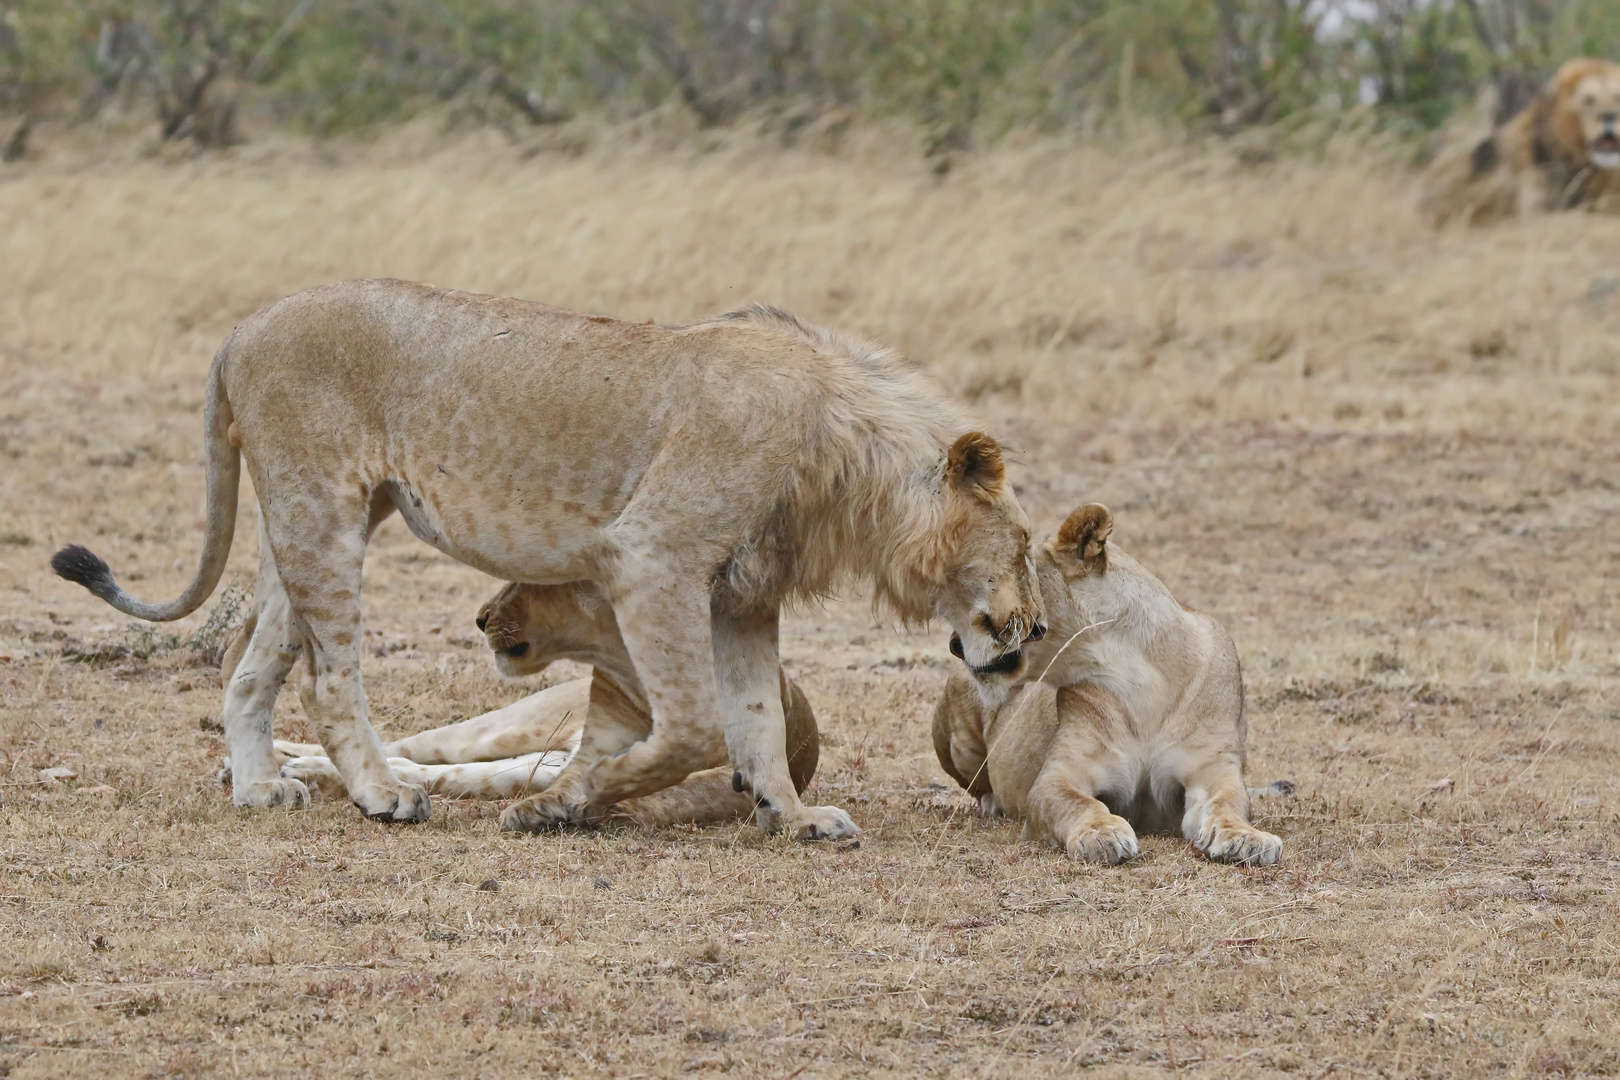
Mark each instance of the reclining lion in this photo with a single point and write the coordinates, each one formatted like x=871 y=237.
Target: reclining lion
x=1560 y=151
x=702 y=475
x=1128 y=716
x=519 y=749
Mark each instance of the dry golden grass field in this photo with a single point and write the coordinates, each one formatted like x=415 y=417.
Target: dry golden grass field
x=1387 y=457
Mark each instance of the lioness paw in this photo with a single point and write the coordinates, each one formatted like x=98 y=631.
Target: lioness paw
x=540 y=813
x=1112 y=841
x=1244 y=845
x=813 y=823
x=286 y=750
x=268 y=794
x=395 y=803
x=316 y=772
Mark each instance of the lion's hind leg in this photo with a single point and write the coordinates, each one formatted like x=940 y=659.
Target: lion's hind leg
x=319 y=551
x=252 y=683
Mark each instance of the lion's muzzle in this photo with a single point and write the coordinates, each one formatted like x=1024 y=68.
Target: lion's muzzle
x=1008 y=663
x=1605 y=149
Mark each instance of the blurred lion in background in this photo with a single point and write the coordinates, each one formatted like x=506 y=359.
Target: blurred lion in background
x=1559 y=152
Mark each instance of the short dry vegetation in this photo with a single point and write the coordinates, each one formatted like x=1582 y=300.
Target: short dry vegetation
x=1383 y=455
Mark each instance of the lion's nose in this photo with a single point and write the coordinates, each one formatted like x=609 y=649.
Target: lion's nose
x=482 y=620
x=518 y=650
x=1037 y=633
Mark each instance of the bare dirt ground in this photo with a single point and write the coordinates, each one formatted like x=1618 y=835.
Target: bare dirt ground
x=1384 y=456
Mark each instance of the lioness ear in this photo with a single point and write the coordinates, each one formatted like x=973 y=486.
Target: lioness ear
x=1083 y=535
x=974 y=464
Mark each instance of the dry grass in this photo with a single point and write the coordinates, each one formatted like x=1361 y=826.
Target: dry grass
x=1384 y=456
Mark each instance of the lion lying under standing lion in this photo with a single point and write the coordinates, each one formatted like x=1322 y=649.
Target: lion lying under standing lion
x=1560 y=152
x=520 y=749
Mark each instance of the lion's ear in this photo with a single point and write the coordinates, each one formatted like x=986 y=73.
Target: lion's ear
x=1082 y=538
x=974 y=465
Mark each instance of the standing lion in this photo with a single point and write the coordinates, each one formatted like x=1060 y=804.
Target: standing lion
x=701 y=475
x=1560 y=151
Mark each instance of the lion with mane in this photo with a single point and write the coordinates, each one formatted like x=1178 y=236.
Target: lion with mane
x=1559 y=152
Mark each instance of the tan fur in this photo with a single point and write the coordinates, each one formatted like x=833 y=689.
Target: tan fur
x=520 y=749
x=702 y=475
x=1559 y=152
x=1128 y=715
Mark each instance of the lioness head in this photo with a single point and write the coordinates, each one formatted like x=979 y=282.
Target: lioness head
x=991 y=599
x=1589 y=96
x=529 y=626
x=1079 y=550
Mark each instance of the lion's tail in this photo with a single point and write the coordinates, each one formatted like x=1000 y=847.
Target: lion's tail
x=80 y=564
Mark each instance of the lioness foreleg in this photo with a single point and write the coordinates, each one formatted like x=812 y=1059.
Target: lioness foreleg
x=1063 y=804
x=549 y=720
x=503 y=779
x=552 y=720
x=748 y=673
x=1216 y=820
x=1077 y=821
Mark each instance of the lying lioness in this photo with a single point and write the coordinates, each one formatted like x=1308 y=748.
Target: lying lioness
x=519 y=749
x=1128 y=715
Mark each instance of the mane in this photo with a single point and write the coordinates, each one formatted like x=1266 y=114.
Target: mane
x=864 y=501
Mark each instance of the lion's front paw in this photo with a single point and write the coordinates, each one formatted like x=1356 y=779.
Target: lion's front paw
x=812 y=823
x=395 y=803
x=1110 y=841
x=1242 y=844
x=268 y=794
x=541 y=812
x=316 y=772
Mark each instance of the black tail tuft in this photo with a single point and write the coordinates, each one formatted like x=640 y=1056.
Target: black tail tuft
x=84 y=567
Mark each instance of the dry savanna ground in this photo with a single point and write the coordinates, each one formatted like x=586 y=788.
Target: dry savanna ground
x=1384 y=456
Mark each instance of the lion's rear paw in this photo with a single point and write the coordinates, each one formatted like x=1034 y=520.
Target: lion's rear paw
x=396 y=803
x=268 y=794
x=540 y=813
x=1112 y=841
x=1243 y=844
